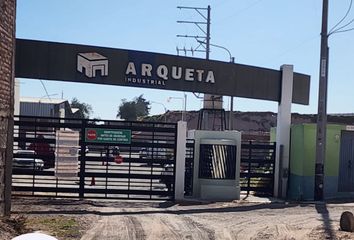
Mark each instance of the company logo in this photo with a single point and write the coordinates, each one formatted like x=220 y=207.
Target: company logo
x=147 y=74
x=92 y=64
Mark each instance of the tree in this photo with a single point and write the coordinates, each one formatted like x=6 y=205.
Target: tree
x=132 y=110
x=142 y=106
x=85 y=109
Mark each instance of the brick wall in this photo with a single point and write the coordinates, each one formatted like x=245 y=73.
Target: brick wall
x=7 y=49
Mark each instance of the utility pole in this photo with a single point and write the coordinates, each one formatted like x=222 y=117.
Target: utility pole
x=208 y=34
x=201 y=39
x=322 y=107
x=211 y=103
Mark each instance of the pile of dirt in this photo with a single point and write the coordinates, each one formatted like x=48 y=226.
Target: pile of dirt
x=12 y=227
x=62 y=227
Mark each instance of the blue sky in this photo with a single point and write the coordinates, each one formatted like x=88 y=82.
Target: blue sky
x=265 y=33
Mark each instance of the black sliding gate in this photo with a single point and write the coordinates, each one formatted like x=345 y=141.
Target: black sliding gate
x=138 y=163
x=257 y=168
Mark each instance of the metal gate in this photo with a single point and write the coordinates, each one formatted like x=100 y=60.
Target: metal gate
x=115 y=159
x=257 y=167
x=346 y=168
x=189 y=167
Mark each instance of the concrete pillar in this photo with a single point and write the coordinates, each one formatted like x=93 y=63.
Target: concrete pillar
x=7 y=56
x=17 y=97
x=283 y=132
x=180 y=159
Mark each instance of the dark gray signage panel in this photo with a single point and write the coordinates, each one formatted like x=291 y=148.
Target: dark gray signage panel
x=90 y=64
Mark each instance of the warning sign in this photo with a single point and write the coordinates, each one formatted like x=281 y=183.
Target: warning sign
x=100 y=135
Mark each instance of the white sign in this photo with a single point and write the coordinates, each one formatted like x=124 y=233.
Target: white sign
x=349 y=128
x=66 y=153
x=147 y=74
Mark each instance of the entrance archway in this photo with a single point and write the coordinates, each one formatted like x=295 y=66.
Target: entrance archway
x=99 y=65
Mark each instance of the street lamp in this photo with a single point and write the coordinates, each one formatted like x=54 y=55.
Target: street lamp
x=232 y=59
x=163 y=105
x=184 y=103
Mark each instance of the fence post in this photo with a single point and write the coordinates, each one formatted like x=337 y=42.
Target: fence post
x=249 y=168
x=82 y=160
x=180 y=159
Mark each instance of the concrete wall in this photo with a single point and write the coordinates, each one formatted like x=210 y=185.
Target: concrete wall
x=7 y=49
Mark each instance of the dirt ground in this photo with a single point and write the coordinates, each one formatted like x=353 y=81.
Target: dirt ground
x=89 y=220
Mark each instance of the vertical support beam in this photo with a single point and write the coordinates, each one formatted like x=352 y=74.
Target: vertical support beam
x=205 y=121
x=7 y=57
x=231 y=114
x=322 y=108
x=283 y=132
x=208 y=34
x=180 y=160
x=82 y=160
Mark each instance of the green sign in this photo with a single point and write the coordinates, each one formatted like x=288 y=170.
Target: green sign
x=100 y=135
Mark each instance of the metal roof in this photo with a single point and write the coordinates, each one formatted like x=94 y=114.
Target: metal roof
x=42 y=100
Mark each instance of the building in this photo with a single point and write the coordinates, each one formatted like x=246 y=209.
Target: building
x=44 y=107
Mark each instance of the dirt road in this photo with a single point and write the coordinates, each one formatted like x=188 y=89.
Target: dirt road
x=234 y=220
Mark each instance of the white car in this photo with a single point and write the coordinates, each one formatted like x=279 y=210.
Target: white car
x=27 y=160
x=155 y=153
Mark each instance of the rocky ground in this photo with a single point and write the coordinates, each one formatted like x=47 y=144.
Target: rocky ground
x=74 y=219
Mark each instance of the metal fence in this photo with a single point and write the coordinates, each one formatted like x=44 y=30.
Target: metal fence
x=257 y=167
x=141 y=168
x=189 y=168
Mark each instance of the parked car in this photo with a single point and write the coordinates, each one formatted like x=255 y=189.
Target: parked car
x=42 y=148
x=155 y=154
x=27 y=160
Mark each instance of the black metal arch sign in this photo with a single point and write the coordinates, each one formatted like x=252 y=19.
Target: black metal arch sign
x=90 y=64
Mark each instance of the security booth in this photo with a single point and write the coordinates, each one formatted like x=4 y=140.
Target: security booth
x=216 y=164
x=338 y=170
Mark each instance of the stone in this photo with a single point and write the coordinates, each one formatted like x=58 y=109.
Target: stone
x=347 y=221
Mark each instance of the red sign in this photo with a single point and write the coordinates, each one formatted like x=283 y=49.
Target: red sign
x=91 y=134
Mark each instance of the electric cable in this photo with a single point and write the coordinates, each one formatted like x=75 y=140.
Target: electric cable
x=342 y=31
x=337 y=29
x=45 y=89
x=345 y=16
x=294 y=48
x=240 y=11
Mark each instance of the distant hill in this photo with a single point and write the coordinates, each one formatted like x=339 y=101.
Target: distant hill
x=258 y=123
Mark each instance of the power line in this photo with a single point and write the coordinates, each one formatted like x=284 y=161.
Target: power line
x=45 y=89
x=285 y=52
x=345 y=16
x=346 y=30
x=241 y=11
x=337 y=29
